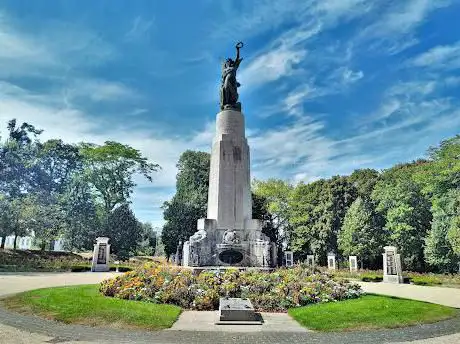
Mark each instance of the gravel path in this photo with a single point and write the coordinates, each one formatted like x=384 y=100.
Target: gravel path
x=19 y=329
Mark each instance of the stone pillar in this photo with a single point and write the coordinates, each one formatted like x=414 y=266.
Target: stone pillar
x=392 y=270
x=186 y=254
x=101 y=255
x=289 y=258
x=331 y=261
x=311 y=260
x=229 y=196
x=353 y=263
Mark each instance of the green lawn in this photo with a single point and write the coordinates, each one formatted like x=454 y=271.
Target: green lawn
x=85 y=305
x=369 y=312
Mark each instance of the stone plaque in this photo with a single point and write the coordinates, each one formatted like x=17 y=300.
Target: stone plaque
x=237 y=310
x=391 y=266
x=102 y=254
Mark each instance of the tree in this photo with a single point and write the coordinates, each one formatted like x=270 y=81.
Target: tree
x=148 y=240
x=81 y=215
x=271 y=203
x=124 y=231
x=110 y=169
x=45 y=220
x=57 y=162
x=407 y=214
x=18 y=169
x=188 y=205
x=364 y=181
x=317 y=213
x=362 y=232
x=439 y=246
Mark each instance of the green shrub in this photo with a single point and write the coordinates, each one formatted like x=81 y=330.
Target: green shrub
x=121 y=268
x=269 y=291
x=80 y=268
x=425 y=280
x=370 y=277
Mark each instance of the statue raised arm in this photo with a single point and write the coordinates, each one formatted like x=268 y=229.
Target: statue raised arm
x=229 y=86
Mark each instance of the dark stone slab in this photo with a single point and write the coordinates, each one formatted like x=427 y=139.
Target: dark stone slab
x=237 y=310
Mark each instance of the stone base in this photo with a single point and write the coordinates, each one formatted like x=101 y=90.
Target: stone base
x=100 y=268
x=213 y=246
x=397 y=279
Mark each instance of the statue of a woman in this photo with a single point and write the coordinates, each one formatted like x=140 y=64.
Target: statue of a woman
x=229 y=86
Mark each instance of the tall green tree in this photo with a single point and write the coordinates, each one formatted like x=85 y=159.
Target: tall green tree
x=188 y=205
x=83 y=220
x=124 y=231
x=362 y=232
x=271 y=204
x=148 y=240
x=110 y=169
x=317 y=213
x=407 y=214
x=439 y=248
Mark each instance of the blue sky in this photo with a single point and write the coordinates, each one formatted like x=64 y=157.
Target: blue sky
x=328 y=86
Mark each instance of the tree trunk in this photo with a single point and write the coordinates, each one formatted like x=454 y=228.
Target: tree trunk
x=2 y=245
x=15 y=240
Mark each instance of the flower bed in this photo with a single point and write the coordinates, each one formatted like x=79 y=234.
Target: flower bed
x=268 y=291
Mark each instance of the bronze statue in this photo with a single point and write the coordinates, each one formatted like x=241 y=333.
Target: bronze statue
x=229 y=86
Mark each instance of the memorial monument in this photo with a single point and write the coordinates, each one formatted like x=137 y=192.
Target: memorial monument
x=229 y=236
x=392 y=269
x=101 y=255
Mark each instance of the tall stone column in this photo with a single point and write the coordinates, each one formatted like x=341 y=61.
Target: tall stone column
x=229 y=197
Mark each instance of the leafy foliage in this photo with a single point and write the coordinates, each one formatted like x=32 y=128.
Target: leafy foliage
x=362 y=232
x=124 y=231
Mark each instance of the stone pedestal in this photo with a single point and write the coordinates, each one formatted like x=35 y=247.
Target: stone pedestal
x=392 y=270
x=229 y=236
x=101 y=255
x=353 y=263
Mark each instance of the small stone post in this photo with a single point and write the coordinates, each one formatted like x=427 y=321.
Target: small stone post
x=101 y=255
x=311 y=260
x=353 y=263
x=331 y=261
x=289 y=258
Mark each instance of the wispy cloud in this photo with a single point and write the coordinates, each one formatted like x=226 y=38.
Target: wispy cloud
x=396 y=24
x=279 y=59
x=139 y=28
x=440 y=57
x=51 y=50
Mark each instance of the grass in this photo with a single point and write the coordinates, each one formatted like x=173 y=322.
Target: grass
x=85 y=305
x=370 y=312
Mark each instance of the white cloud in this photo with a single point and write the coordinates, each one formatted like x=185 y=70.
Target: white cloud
x=99 y=90
x=139 y=28
x=440 y=57
x=50 y=50
x=395 y=25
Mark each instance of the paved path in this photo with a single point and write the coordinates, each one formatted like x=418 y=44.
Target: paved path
x=440 y=295
x=19 y=329
x=19 y=282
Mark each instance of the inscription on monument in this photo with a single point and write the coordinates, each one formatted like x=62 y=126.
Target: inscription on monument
x=101 y=256
x=391 y=266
